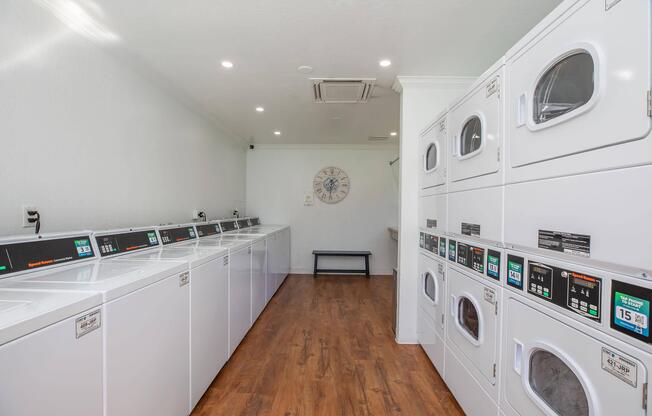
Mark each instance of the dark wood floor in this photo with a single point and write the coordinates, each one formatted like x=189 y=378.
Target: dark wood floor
x=325 y=346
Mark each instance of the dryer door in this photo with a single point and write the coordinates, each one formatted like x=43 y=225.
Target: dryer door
x=475 y=129
x=554 y=369
x=582 y=86
x=432 y=291
x=473 y=325
x=433 y=156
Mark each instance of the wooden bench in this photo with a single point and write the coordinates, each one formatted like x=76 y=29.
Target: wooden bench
x=341 y=253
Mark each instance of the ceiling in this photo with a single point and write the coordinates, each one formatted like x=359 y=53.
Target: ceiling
x=182 y=44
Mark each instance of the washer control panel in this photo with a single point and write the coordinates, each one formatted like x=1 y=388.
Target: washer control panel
x=568 y=289
x=177 y=234
x=254 y=221
x=29 y=255
x=244 y=223
x=111 y=244
x=206 y=230
x=228 y=225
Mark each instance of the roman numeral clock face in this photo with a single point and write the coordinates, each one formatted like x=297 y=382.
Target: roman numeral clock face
x=331 y=185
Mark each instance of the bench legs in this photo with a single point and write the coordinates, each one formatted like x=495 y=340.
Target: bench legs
x=366 y=270
x=366 y=265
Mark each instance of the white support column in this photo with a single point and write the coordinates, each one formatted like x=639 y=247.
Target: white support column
x=422 y=98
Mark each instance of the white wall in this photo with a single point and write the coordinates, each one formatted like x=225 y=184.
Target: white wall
x=279 y=176
x=92 y=143
x=422 y=98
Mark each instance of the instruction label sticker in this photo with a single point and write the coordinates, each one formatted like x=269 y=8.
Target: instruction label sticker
x=489 y=295
x=452 y=250
x=88 y=323
x=184 y=278
x=442 y=247
x=619 y=366
x=493 y=86
x=632 y=313
x=472 y=230
x=568 y=243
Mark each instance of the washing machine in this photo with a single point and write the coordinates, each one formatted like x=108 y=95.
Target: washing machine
x=209 y=309
x=432 y=298
x=240 y=284
x=475 y=127
x=50 y=341
x=145 y=317
x=433 y=152
x=577 y=339
x=473 y=325
x=579 y=147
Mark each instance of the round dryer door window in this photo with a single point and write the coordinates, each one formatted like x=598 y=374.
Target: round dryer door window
x=430 y=288
x=567 y=85
x=557 y=385
x=468 y=317
x=431 y=157
x=471 y=139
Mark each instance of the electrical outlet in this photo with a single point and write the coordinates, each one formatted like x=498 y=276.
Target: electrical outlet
x=26 y=216
x=198 y=214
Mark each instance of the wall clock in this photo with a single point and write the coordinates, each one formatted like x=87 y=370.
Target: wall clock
x=331 y=185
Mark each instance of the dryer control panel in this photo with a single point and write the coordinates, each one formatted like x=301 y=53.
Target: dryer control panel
x=482 y=260
x=471 y=257
x=429 y=242
x=31 y=255
x=177 y=234
x=206 y=230
x=568 y=289
x=112 y=244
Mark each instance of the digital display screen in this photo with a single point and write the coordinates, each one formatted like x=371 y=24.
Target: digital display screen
x=35 y=254
x=112 y=244
x=243 y=224
x=583 y=281
x=228 y=225
x=175 y=235
x=207 y=229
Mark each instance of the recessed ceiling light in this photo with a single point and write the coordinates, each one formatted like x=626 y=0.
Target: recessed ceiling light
x=277 y=133
x=260 y=109
x=385 y=63
x=393 y=134
x=227 y=64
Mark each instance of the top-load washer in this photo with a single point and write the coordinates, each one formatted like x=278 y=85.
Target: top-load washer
x=145 y=323
x=473 y=326
x=475 y=165
x=240 y=318
x=433 y=152
x=577 y=340
x=50 y=342
x=432 y=298
x=579 y=147
x=209 y=338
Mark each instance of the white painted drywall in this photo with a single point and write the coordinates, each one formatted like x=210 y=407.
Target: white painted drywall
x=278 y=178
x=422 y=98
x=95 y=145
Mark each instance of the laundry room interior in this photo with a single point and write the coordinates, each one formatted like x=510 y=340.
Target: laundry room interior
x=337 y=207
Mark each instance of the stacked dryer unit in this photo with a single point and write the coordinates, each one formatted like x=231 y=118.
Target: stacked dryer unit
x=433 y=203
x=475 y=177
x=577 y=213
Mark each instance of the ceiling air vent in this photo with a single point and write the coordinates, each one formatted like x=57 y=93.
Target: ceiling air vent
x=342 y=90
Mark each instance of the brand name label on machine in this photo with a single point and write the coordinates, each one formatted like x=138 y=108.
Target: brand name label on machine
x=472 y=230
x=568 y=243
x=88 y=323
x=619 y=366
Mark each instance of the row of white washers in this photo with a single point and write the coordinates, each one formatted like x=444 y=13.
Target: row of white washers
x=535 y=218
x=119 y=323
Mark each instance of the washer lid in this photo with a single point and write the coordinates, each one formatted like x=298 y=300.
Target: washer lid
x=25 y=311
x=112 y=278
x=191 y=255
